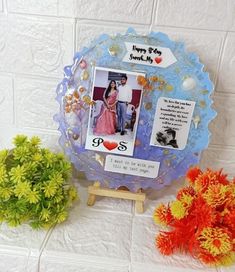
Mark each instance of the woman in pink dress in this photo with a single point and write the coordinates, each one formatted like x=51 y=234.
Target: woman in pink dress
x=106 y=122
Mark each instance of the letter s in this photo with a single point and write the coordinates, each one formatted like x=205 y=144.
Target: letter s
x=122 y=146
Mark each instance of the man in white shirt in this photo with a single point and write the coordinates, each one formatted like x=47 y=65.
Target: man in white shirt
x=124 y=98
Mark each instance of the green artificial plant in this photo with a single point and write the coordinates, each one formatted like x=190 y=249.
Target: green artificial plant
x=34 y=185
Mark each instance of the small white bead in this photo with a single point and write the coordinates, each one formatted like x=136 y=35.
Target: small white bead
x=189 y=84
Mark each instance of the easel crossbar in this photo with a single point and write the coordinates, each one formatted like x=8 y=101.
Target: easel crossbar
x=116 y=193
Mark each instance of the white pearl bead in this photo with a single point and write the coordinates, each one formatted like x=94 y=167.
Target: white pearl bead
x=189 y=84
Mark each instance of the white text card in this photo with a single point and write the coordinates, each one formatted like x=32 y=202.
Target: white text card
x=149 y=55
x=172 y=123
x=130 y=166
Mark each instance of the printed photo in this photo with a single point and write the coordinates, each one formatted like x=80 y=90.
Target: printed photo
x=115 y=111
x=166 y=137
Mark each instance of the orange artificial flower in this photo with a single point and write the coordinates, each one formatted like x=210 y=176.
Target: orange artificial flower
x=202 y=219
x=192 y=174
x=162 y=215
x=208 y=258
x=185 y=191
x=164 y=244
x=229 y=220
x=215 y=240
x=216 y=194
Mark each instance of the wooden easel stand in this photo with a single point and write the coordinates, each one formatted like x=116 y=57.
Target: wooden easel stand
x=96 y=190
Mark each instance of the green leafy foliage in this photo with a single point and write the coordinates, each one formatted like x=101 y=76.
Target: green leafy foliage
x=34 y=185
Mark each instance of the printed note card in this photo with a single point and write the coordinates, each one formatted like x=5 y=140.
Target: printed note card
x=172 y=123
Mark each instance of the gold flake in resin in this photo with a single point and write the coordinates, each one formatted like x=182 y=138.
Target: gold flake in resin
x=148 y=105
x=84 y=75
x=204 y=91
x=169 y=88
x=81 y=89
x=202 y=104
x=166 y=152
x=113 y=50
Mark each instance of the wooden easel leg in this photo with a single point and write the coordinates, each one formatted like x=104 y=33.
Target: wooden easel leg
x=139 y=204
x=92 y=197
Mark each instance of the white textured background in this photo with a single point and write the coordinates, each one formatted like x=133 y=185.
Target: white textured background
x=37 y=39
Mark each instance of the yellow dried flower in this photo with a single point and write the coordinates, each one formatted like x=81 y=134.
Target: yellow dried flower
x=22 y=189
x=35 y=140
x=5 y=192
x=33 y=197
x=58 y=197
x=37 y=157
x=178 y=210
x=50 y=189
x=17 y=174
x=34 y=185
x=61 y=217
x=215 y=240
x=186 y=199
x=45 y=214
x=216 y=194
x=3 y=155
x=56 y=178
x=19 y=140
x=159 y=215
x=72 y=193
x=227 y=259
x=3 y=173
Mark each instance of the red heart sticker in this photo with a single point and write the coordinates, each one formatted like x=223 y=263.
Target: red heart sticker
x=110 y=145
x=158 y=60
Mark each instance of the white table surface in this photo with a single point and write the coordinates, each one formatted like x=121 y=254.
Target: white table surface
x=108 y=237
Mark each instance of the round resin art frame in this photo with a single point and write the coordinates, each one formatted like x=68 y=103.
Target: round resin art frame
x=169 y=110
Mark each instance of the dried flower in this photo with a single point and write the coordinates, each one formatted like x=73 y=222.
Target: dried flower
x=162 y=215
x=165 y=244
x=34 y=185
x=178 y=209
x=203 y=219
x=215 y=240
x=192 y=174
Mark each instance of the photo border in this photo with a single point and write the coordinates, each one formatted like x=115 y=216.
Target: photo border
x=130 y=145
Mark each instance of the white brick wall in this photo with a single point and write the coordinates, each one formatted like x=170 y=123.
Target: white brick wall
x=38 y=38
x=200 y=14
x=34 y=98
x=6 y=100
x=35 y=45
x=49 y=7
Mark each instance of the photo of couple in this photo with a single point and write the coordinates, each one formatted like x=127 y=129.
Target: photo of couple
x=116 y=96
